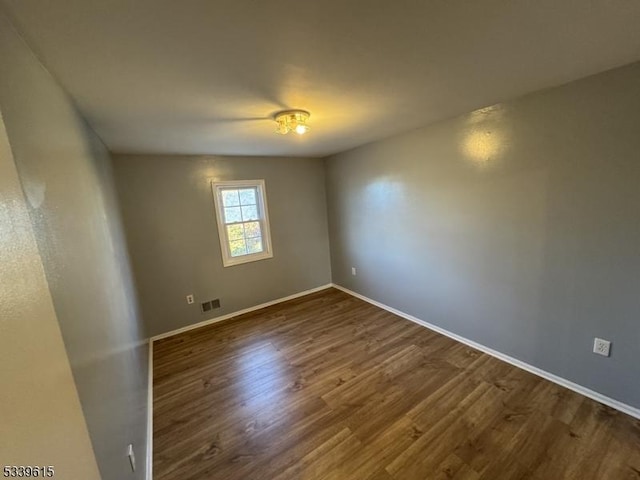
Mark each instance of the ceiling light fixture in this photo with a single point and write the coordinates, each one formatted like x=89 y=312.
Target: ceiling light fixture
x=292 y=121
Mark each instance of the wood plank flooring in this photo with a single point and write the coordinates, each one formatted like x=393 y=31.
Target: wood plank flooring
x=329 y=387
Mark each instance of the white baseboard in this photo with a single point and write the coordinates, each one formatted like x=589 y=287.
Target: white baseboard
x=150 y=415
x=622 y=407
x=222 y=318
x=598 y=397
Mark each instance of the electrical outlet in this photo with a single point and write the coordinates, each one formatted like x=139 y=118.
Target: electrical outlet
x=132 y=457
x=353 y=271
x=190 y=299
x=601 y=347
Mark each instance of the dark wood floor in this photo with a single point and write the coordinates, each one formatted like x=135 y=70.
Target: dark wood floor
x=329 y=387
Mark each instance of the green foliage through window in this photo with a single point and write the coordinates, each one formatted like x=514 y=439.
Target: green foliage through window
x=242 y=220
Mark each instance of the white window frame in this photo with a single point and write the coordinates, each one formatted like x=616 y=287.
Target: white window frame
x=263 y=218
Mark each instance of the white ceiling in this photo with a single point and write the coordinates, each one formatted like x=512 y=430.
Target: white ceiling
x=204 y=76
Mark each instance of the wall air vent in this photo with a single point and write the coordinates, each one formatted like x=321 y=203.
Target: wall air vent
x=210 y=305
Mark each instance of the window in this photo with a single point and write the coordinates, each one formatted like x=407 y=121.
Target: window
x=243 y=221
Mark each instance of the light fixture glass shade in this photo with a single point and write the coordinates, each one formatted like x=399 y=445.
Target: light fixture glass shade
x=292 y=121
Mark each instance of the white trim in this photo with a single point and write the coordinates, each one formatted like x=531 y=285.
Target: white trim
x=263 y=218
x=150 y=415
x=598 y=397
x=239 y=312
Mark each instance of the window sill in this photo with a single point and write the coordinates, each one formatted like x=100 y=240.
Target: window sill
x=230 y=262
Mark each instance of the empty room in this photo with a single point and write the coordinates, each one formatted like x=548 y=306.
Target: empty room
x=323 y=240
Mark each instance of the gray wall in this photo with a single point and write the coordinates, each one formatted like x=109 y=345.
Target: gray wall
x=517 y=226
x=65 y=174
x=170 y=221
x=41 y=415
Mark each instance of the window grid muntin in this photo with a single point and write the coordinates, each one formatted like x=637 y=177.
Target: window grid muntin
x=252 y=246
x=257 y=195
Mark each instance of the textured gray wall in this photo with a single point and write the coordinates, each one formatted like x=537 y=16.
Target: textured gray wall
x=170 y=222
x=42 y=420
x=65 y=174
x=517 y=226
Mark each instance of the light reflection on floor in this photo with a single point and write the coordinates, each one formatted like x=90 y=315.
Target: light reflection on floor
x=263 y=376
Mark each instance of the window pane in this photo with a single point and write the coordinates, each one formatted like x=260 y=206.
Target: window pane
x=230 y=198
x=232 y=215
x=252 y=229
x=254 y=245
x=235 y=232
x=249 y=213
x=238 y=248
x=241 y=215
x=248 y=196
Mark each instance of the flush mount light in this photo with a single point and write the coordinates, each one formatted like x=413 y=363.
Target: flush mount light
x=292 y=121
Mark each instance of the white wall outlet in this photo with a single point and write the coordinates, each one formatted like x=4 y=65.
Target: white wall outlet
x=132 y=457
x=353 y=271
x=190 y=299
x=601 y=347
